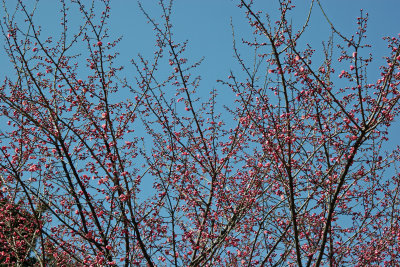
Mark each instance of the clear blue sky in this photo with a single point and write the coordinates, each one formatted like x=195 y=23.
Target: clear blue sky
x=206 y=24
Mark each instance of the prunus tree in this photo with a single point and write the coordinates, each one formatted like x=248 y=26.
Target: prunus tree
x=18 y=233
x=292 y=172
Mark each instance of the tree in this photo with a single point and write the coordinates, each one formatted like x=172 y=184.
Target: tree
x=18 y=232
x=292 y=173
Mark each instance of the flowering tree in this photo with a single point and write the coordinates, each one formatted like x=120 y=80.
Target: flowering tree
x=293 y=173
x=18 y=232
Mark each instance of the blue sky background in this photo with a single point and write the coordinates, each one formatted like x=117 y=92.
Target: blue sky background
x=206 y=24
